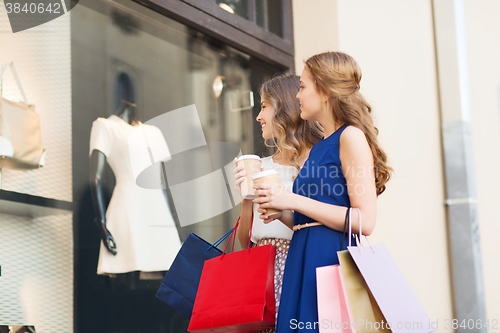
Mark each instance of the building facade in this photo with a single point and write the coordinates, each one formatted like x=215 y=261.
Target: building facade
x=429 y=72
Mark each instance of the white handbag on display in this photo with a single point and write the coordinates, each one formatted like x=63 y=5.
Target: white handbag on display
x=20 y=136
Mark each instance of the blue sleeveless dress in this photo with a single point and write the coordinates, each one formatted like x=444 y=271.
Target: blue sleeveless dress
x=321 y=178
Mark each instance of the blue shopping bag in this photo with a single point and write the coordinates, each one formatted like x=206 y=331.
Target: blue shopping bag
x=180 y=284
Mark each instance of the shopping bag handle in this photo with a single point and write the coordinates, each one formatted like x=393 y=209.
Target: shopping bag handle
x=233 y=236
x=3 y=70
x=347 y=227
x=220 y=240
x=344 y=232
x=250 y=234
x=349 y=210
x=358 y=238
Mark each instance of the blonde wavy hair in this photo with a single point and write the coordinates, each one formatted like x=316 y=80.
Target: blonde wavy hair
x=291 y=134
x=337 y=75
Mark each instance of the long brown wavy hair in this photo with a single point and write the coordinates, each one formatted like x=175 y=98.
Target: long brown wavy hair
x=291 y=134
x=337 y=75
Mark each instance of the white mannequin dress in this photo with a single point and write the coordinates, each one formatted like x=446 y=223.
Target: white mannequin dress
x=139 y=219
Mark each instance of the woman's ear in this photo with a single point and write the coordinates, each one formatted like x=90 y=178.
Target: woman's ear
x=324 y=97
x=326 y=103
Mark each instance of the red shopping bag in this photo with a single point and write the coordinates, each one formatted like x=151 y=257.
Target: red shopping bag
x=334 y=310
x=236 y=292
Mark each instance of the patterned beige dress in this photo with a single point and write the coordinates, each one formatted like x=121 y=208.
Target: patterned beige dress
x=282 y=246
x=275 y=233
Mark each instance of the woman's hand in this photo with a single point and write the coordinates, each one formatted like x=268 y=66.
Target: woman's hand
x=286 y=217
x=239 y=175
x=273 y=196
x=266 y=219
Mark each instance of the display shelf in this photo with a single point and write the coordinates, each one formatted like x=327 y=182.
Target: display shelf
x=22 y=204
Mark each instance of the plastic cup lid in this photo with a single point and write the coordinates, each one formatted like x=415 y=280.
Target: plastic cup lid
x=248 y=157
x=265 y=173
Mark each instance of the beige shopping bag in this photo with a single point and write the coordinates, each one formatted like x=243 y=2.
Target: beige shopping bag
x=365 y=311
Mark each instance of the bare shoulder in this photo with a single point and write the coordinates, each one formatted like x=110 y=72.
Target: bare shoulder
x=352 y=137
x=354 y=147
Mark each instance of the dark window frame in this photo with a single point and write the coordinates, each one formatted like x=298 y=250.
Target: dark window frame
x=207 y=17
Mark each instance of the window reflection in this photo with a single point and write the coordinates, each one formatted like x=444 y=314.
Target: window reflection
x=124 y=90
x=269 y=15
x=165 y=66
x=238 y=7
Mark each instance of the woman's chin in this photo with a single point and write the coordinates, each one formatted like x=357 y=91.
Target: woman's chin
x=266 y=136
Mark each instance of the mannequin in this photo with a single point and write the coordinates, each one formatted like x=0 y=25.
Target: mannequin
x=137 y=229
x=97 y=163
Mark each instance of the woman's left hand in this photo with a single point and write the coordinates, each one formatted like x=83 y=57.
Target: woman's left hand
x=265 y=218
x=274 y=196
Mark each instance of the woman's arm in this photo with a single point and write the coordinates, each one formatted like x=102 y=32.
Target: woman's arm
x=246 y=214
x=246 y=217
x=286 y=217
x=357 y=165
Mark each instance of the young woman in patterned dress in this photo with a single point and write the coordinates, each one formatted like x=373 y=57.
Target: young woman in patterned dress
x=293 y=138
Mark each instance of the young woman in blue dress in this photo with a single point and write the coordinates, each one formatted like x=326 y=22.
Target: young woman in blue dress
x=347 y=168
x=293 y=137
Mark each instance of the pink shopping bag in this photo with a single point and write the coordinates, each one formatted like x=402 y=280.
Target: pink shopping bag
x=334 y=310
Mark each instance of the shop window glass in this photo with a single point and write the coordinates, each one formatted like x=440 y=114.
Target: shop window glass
x=269 y=15
x=122 y=50
x=124 y=90
x=238 y=7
